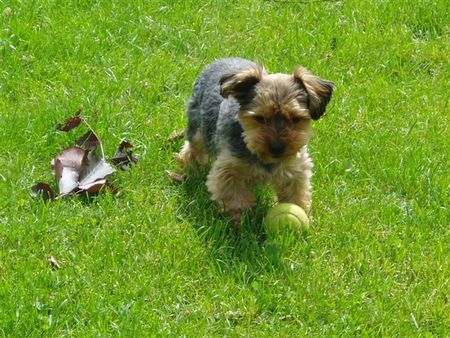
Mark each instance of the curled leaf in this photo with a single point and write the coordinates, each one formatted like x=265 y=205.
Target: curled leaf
x=53 y=263
x=96 y=187
x=124 y=156
x=70 y=123
x=44 y=191
x=88 y=141
x=93 y=187
x=78 y=170
x=96 y=168
x=68 y=168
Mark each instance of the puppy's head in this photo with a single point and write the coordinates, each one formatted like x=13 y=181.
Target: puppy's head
x=276 y=109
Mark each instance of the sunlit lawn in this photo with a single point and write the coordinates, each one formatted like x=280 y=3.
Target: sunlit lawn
x=158 y=258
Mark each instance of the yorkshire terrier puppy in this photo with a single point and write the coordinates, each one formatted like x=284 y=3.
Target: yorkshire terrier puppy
x=256 y=127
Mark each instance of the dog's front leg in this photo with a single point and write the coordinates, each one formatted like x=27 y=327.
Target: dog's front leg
x=228 y=186
x=292 y=181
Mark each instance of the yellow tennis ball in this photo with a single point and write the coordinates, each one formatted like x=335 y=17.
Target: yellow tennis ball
x=286 y=218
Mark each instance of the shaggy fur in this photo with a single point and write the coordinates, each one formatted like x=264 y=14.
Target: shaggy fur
x=256 y=127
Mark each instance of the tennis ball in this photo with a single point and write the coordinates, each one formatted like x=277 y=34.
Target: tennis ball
x=286 y=218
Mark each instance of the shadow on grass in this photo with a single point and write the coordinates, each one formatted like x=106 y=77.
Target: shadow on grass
x=251 y=247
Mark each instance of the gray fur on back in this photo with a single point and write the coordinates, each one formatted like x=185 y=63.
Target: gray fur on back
x=215 y=116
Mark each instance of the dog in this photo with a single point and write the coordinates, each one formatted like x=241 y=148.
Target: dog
x=256 y=127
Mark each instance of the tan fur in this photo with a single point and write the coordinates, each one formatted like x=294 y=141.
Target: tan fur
x=236 y=84
x=193 y=152
x=275 y=113
x=292 y=180
x=319 y=91
x=231 y=182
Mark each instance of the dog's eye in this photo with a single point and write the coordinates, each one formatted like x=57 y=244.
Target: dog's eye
x=259 y=119
x=296 y=119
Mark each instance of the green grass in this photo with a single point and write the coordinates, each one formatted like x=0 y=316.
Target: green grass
x=159 y=259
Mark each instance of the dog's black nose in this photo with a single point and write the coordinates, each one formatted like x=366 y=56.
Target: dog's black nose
x=277 y=148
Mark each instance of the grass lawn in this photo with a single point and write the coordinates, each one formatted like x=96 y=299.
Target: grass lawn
x=158 y=258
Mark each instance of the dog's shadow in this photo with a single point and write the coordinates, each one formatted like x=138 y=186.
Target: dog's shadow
x=249 y=247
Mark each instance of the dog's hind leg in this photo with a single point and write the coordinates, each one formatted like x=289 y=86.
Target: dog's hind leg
x=193 y=151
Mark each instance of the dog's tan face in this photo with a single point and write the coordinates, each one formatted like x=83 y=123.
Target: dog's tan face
x=277 y=109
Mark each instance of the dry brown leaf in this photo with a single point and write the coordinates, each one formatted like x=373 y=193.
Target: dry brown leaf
x=53 y=263
x=70 y=123
x=44 y=191
x=88 y=141
x=124 y=156
x=78 y=170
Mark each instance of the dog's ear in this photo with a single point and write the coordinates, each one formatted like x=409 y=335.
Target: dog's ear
x=319 y=91
x=240 y=84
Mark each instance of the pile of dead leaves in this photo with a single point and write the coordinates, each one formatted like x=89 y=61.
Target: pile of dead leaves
x=78 y=169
